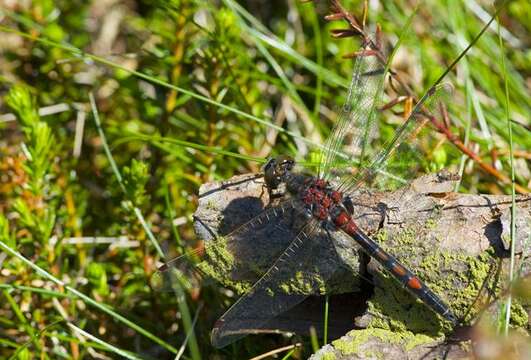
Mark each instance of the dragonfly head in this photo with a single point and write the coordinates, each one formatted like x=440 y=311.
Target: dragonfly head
x=276 y=168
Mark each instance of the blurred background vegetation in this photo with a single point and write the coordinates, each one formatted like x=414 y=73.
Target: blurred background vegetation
x=188 y=92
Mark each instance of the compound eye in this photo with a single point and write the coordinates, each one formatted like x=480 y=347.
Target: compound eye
x=271 y=174
x=288 y=163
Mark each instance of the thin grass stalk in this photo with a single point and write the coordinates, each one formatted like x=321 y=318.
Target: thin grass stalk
x=35 y=290
x=107 y=346
x=190 y=334
x=269 y=354
x=325 y=330
x=513 y=189
x=288 y=355
x=319 y=59
x=468 y=127
x=314 y=341
x=27 y=327
x=171 y=215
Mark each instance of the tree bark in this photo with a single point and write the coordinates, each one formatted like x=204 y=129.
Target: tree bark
x=457 y=243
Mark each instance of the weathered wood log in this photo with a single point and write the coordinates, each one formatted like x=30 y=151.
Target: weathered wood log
x=456 y=243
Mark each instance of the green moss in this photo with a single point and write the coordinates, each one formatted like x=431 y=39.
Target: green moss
x=221 y=264
x=329 y=356
x=470 y=272
x=304 y=283
x=210 y=205
x=351 y=346
x=220 y=255
x=406 y=236
x=371 y=354
x=406 y=339
x=519 y=316
x=431 y=223
x=382 y=236
x=387 y=336
x=394 y=309
x=416 y=340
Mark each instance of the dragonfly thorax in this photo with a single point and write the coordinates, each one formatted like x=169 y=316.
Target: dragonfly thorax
x=321 y=200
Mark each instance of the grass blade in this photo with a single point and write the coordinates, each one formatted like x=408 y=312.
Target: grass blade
x=325 y=330
x=88 y=300
x=107 y=346
x=513 y=189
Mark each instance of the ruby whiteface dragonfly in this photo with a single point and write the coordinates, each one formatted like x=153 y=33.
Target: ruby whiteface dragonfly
x=316 y=209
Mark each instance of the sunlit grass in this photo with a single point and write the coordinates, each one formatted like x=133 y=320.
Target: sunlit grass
x=507 y=311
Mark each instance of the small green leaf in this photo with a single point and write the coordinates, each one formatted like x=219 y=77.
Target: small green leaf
x=20 y=100
x=54 y=32
x=97 y=277
x=5 y=234
x=440 y=158
x=135 y=178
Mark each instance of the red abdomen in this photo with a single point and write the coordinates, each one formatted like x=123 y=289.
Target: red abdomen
x=345 y=222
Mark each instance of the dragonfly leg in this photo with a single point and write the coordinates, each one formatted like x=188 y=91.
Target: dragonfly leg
x=347 y=203
x=382 y=209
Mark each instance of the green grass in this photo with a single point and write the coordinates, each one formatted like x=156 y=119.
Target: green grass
x=186 y=92
x=507 y=310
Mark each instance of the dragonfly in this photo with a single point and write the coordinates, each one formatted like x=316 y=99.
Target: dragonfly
x=316 y=208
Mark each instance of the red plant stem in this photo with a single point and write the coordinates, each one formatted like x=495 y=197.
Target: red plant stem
x=471 y=154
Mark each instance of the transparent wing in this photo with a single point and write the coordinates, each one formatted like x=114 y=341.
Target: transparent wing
x=403 y=148
x=356 y=121
x=238 y=259
x=291 y=278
